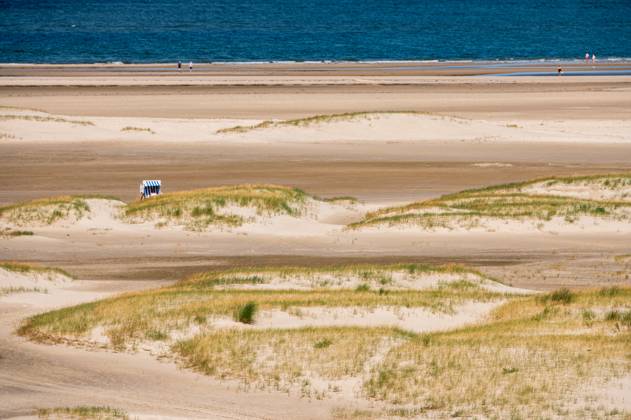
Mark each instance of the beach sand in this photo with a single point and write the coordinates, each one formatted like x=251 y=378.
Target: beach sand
x=63 y=132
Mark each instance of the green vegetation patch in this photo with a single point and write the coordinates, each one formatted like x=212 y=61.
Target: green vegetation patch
x=471 y=208
x=82 y=412
x=198 y=209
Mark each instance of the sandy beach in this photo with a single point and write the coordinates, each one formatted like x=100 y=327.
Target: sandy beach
x=390 y=135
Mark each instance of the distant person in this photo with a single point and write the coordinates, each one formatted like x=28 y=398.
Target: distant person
x=586 y=57
x=190 y=66
x=593 y=58
x=179 y=66
x=559 y=71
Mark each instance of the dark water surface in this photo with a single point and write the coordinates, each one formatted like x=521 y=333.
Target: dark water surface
x=86 y=31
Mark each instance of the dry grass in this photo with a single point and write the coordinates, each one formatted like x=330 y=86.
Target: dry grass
x=313 y=120
x=138 y=129
x=132 y=317
x=198 y=209
x=24 y=268
x=536 y=356
x=49 y=210
x=287 y=360
x=82 y=413
x=11 y=290
x=528 y=362
x=345 y=276
x=39 y=118
x=10 y=233
x=472 y=208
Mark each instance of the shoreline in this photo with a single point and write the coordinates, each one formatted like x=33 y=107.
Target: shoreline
x=321 y=69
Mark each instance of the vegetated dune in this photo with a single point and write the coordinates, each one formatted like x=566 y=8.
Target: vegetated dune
x=26 y=278
x=30 y=125
x=210 y=299
x=52 y=211
x=316 y=120
x=560 y=344
x=231 y=206
x=601 y=202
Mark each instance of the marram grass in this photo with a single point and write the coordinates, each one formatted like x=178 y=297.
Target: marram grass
x=471 y=208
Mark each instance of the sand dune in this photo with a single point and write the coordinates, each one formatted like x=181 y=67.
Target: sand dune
x=36 y=126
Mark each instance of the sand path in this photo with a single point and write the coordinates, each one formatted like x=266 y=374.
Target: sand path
x=36 y=375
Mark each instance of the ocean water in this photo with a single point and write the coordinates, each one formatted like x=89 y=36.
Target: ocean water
x=140 y=31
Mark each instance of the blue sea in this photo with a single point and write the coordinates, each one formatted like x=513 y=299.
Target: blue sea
x=142 y=31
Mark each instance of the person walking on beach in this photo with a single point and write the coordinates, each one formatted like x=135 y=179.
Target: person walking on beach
x=190 y=66
x=586 y=58
x=559 y=71
x=593 y=58
x=179 y=66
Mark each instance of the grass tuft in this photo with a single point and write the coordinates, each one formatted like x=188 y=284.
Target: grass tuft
x=138 y=129
x=82 y=412
x=246 y=313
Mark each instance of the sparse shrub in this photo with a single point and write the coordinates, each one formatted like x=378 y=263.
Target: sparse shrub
x=563 y=295
x=202 y=211
x=245 y=314
x=362 y=288
x=508 y=370
x=323 y=343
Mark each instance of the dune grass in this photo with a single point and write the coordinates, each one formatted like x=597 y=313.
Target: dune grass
x=127 y=319
x=39 y=118
x=138 y=129
x=471 y=208
x=328 y=277
x=10 y=233
x=19 y=267
x=49 y=210
x=82 y=412
x=287 y=359
x=528 y=361
x=4 y=291
x=312 y=120
x=535 y=356
x=198 y=209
